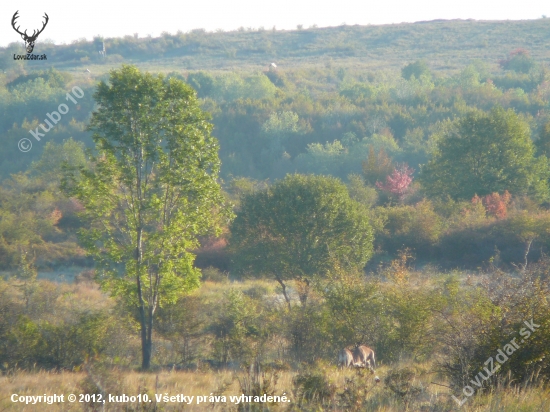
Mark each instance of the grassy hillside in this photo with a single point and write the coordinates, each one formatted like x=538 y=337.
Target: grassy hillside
x=447 y=45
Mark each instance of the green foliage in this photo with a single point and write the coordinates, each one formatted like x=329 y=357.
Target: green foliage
x=24 y=106
x=202 y=82
x=360 y=192
x=417 y=227
x=482 y=319
x=527 y=82
x=45 y=330
x=52 y=77
x=183 y=325
x=410 y=310
x=282 y=125
x=355 y=311
x=469 y=78
x=486 y=153
x=31 y=211
x=49 y=167
x=279 y=129
x=300 y=228
x=35 y=89
x=237 y=330
x=338 y=160
x=519 y=61
x=307 y=329
x=326 y=159
x=377 y=166
x=417 y=69
x=358 y=91
x=543 y=142
x=154 y=147
x=232 y=86
x=277 y=78
x=242 y=186
x=401 y=383
x=313 y=386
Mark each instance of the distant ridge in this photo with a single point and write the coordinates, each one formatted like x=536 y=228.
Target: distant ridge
x=445 y=44
x=442 y=21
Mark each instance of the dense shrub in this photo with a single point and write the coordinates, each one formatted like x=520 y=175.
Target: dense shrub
x=312 y=386
x=44 y=330
x=416 y=69
x=417 y=227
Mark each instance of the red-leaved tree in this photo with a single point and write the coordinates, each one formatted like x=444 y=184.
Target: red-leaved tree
x=495 y=205
x=398 y=182
x=519 y=60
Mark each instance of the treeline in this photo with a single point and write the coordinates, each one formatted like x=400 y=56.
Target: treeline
x=451 y=43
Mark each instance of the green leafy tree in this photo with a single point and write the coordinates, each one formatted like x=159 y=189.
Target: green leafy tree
x=357 y=91
x=360 y=192
x=202 y=82
x=486 y=153
x=416 y=69
x=543 y=143
x=235 y=328
x=302 y=228
x=277 y=134
x=320 y=158
x=356 y=312
x=240 y=186
x=152 y=190
x=519 y=61
x=49 y=166
x=377 y=166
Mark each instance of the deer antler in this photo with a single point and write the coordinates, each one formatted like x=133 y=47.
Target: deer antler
x=34 y=33
x=34 y=36
x=15 y=17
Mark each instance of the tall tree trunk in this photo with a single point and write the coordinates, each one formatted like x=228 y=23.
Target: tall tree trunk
x=149 y=341
x=284 y=291
x=145 y=334
x=146 y=352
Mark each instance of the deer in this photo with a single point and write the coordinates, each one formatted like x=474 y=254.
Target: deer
x=345 y=358
x=29 y=40
x=365 y=355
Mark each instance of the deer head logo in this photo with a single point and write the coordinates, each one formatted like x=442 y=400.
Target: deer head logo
x=29 y=40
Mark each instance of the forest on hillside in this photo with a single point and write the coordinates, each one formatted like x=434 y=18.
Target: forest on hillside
x=356 y=125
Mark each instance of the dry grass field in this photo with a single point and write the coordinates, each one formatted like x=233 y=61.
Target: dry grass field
x=205 y=383
x=416 y=385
